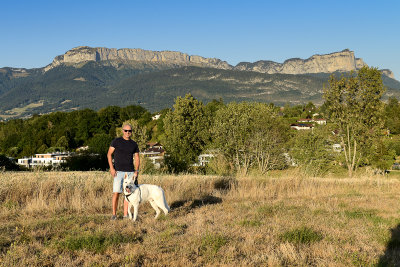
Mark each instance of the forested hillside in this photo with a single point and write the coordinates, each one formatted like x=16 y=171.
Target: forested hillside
x=96 y=85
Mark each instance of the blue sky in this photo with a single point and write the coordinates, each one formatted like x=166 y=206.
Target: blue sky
x=34 y=32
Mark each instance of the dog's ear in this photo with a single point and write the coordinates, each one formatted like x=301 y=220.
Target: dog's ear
x=126 y=176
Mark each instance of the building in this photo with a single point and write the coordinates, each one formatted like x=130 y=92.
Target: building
x=155 y=153
x=49 y=159
x=301 y=126
x=205 y=158
x=337 y=147
x=156 y=117
x=320 y=121
x=317 y=121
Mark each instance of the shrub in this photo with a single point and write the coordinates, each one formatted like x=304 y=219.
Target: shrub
x=219 y=165
x=7 y=165
x=86 y=162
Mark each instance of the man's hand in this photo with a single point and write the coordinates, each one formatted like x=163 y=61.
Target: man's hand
x=135 y=177
x=113 y=172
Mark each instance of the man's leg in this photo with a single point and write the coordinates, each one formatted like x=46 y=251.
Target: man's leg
x=117 y=189
x=126 y=204
x=115 y=203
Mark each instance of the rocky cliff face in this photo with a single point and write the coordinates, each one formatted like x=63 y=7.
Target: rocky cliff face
x=343 y=61
x=340 y=61
x=388 y=73
x=85 y=53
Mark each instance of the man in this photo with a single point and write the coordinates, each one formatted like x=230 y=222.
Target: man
x=124 y=149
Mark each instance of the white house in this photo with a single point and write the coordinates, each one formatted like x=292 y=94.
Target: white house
x=155 y=153
x=49 y=159
x=301 y=126
x=320 y=121
x=337 y=147
x=156 y=117
x=317 y=121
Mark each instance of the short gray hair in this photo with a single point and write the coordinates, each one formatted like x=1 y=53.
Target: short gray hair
x=126 y=124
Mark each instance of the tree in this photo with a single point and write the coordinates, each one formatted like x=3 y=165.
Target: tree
x=186 y=132
x=250 y=134
x=62 y=143
x=354 y=105
x=308 y=110
x=392 y=116
x=99 y=143
x=312 y=151
x=109 y=118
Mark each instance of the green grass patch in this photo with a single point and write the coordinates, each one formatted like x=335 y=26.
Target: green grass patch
x=359 y=214
x=250 y=223
x=10 y=204
x=210 y=243
x=302 y=235
x=366 y=214
x=360 y=259
x=320 y=212
x=95 y=242
x=173 y=230
x=269 y=210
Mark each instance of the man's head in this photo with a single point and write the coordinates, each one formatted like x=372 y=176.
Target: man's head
x=127 y=131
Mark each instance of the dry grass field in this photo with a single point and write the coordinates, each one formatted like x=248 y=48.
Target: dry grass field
x=63 y=219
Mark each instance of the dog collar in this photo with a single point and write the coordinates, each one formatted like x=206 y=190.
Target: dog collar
x=140 y=195
x=127 y=195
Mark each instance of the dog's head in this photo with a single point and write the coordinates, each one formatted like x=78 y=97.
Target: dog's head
x=129 y=185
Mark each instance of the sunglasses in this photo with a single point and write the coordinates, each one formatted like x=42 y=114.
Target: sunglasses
x=127 y=131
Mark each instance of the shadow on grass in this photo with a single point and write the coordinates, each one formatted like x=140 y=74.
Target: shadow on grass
x=196 y=203
x=392 y=252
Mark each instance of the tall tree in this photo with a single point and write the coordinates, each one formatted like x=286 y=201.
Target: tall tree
x=354 y=104
x=186 y=132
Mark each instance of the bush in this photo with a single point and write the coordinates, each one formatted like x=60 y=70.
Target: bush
x=147 y=167
x=7 y=164
x=86 y=162
x=219 y=165
x=312 y=151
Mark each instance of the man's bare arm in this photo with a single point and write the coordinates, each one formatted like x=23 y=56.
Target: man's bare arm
x=137 y=163
x=109 y=157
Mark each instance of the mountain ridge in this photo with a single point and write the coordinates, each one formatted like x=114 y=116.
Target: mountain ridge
x=343 y=61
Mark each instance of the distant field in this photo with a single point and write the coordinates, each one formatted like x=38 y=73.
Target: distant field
x=18 y=111
x=62 y=219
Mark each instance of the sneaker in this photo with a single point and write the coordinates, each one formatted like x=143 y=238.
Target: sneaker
x=125 y=217
x=114 y=217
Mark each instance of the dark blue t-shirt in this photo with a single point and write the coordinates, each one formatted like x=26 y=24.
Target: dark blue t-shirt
x=123 y=154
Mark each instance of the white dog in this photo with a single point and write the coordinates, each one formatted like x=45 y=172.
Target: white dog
x=144 y=192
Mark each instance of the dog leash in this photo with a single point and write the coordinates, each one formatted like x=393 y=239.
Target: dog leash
x=126 y=196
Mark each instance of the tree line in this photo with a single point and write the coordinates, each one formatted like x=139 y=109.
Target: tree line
x=243 y=137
